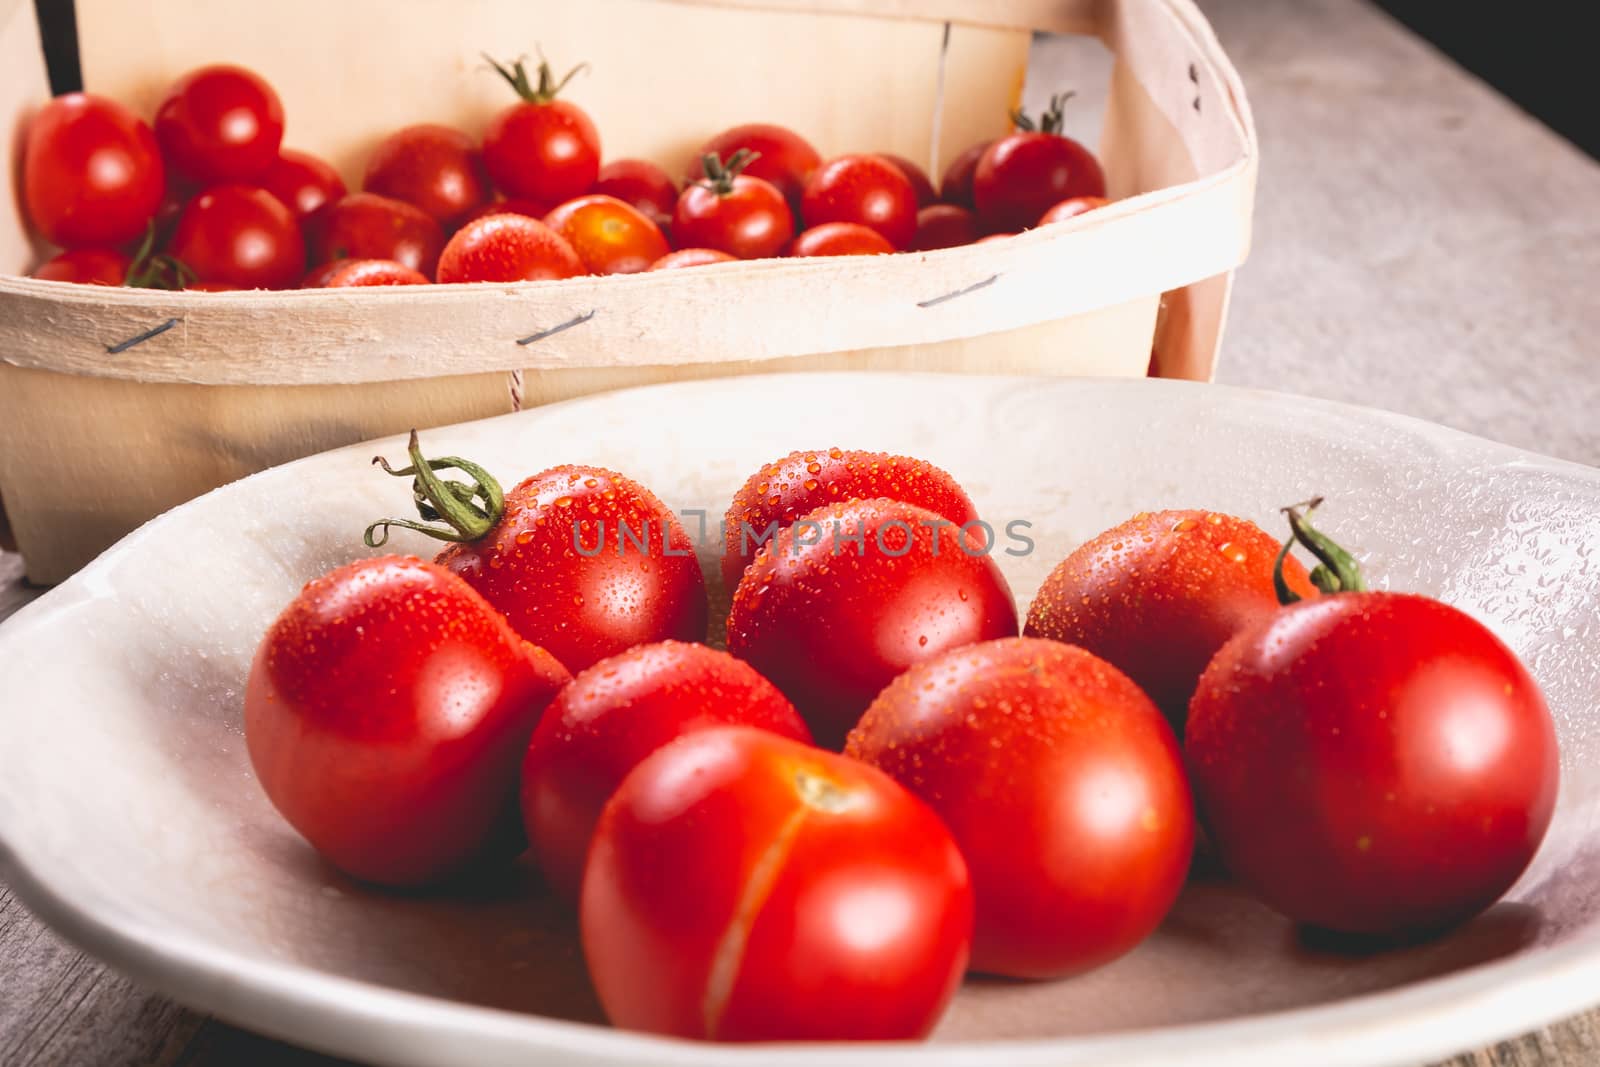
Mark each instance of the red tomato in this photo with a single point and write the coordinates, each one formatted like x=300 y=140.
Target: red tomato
x=839 y=239
x=956 y=185
x=781 y=157
x=611 y=237
x=692 y=257
x=543 y=148
x=642 y=184
x=318 y=277
x=611 y=717
x=1156 y=596
x=91 y=172
x=1021 y=176
x=369 y=226
x=868 y=190
x=533 y=209
x=86 y=266
x=852 y=594
x=305 y=183
x=733 y=212
x=221 y=124
x=916 y=176
x=362 y=272
x=745 y=887
x=385 y=714
x=507 y=248
x=1090 y=792
x=944 y=226
x=240 y=235
x=1071 y=208
x=781 y=492
x=435 y=168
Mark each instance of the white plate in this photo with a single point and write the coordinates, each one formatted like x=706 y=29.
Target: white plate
x=130 y=820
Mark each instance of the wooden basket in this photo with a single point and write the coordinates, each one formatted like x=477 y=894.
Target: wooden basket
x=93 y=442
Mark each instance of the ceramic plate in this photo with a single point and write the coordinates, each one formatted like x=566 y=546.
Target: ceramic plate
x=129 y=818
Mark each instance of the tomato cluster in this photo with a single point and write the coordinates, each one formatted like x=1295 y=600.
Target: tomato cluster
x=221 y=204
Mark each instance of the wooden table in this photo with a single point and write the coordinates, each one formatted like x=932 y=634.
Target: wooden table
x=1421 y=245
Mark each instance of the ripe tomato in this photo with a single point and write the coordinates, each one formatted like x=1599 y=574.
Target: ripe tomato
x=86 y=266
x=1098 y=825
x=533 y=209
x=241 y=235
x=385 y=714
x=1071 y=208
x=852 y=594
x=363 y=272
x=916 y=176
x=781 y=492
x=868 y=190
x=435 y=168
x=779 y=155
x=611 y=717
x=221 y=124
x=944 y=226
x=956 y=185
x=692 y=257
x=745 y=887
x=733 y=212
x=543 y=148
x=369 y=226
x=1156 y=596
x=317 y=277
x=610 y=237
x=839 y=239
x=507 y=248
x=91 y=172
x=304 y=183
x=642 y=184
x=1021 y=176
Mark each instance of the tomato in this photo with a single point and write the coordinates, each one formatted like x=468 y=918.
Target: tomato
x=956 y=185
x=1090 y=791
x=507 y=248
x=782 y=491
x=533 y=209
x=779 y=156
x=854 y=593
x=944 y=226
x=916 y=176
x=1071 y=208
x=304 y=183
x=733 y=212
x=317 y=277
x=221 y=124
x=745 y=887
x=369 y=226
x=692 y=257
x=435 y=168
x=86 y=266
x=610 y=237
x=385 y=714
x=91 y=172
x=839 y=239
x=240 y=235
x=868 y=190
x=1156 y=596
x=642 y=184
x=543 y=148
x=611 y=717
x=1021 y=176
x=363 y=272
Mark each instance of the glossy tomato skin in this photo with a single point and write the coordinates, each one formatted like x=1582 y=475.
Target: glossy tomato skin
x=692 y=257
x=729 y=881
x=956 y=185
x=581 y=589
x=944 y=226
x=783 y=158
x=610 y=718
x=240 y=235
x=642 y=184
x=1158 y=595
x=369 y=226
x=831 y=623
x=91 y=173
x=533 y=209
x=86 y=266
x=867 y=190
x=1071 y=208
x=507 y=248
x=435 y=168
x=916 y=176
x=1079 y=767
x=784 y=490
x=610 y=236
x=306 y=184
x=752 y=221
x=221 y=123
x=348 y=273
x=548 y=152
x=1373 y=763
x=1022 y=176
x=840 y=239
x=385 y=714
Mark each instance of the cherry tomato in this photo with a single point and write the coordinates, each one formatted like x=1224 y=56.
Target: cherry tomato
x=611 y=717
x=1071 y=208
x=782 y=491
x=543 y=148
x=91 y=172
x=745 y=887
x=317 y=277
x=363 y=272
x=385 y=714
x=435 y=168
x=1156 y=596
x=507 y=248
x=692 y=257
x=241 y=235
x=533 y=209
x=304 y=183
x=221 y=124
x=781 y=157
x=1021 y=176
x=852 y=594
x=733 y=212
x=916 y=176
x=642 y=184
x=369 y=226
x=839 y=239
x=86 y=266
x=610 y=237
x=868 y=190
x=1090 y=790
x=1372 y=763
x=944 y=226
x=956 y=185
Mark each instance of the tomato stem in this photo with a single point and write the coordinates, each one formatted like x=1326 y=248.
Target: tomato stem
x=720 y=175
x=1052 y=121
x=156 y=270
x=1336 y=571
x=516 y=74
x=439 y=500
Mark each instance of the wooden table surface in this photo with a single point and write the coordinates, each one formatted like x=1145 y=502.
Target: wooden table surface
x=1421 y=245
